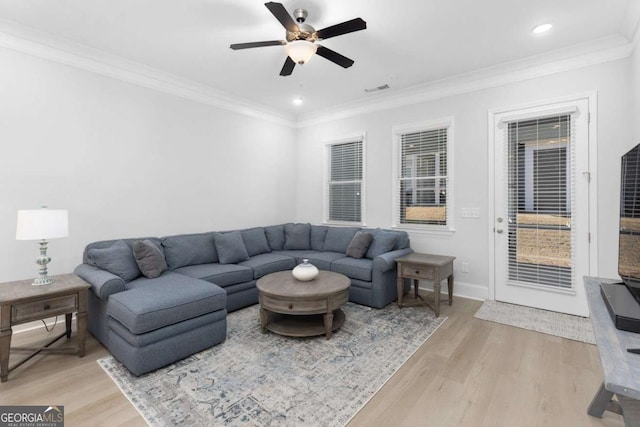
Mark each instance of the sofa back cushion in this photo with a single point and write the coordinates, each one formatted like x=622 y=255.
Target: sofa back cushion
x=386 y=241
x=318 y=234
x=230 y=247
x=189 y=249
x=255 y=241
x=116 y=258
x=297 y=237
x=338 y=238
x=275 y=237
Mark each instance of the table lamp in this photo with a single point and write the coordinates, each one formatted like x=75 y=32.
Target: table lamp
x=42 y=224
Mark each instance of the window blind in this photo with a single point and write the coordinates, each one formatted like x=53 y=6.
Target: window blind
x=423 y=177
x=540 y=168
x=345 y=182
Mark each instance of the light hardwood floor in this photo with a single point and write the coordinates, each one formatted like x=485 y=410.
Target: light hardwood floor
x=469 y=373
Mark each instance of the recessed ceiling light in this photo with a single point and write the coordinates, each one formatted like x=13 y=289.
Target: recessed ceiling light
x=542 y=28
x=297 y=101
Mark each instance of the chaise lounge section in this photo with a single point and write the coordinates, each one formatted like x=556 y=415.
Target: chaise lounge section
x=154 y=301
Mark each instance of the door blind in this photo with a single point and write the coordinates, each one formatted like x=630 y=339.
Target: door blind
x=423 y=177
x=345 y=182
x=540 y=201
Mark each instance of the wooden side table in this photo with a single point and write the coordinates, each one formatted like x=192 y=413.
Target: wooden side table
x=418 y=267
x=22 y=302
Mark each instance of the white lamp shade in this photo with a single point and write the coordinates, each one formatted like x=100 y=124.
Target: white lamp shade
x=300 y=51
x=38 y=224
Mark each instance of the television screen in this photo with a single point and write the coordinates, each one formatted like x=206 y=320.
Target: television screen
x=629 y=243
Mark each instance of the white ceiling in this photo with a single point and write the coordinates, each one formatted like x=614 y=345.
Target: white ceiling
x=407 y=43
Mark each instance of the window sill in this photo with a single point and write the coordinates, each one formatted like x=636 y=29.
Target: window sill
x=344 y=224
x=425 y=230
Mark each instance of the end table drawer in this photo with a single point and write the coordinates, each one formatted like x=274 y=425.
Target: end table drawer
x=417 y=272
x=39 y=309
x=299 y=307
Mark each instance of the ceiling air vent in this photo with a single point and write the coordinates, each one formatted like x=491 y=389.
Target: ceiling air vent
x=376 y=89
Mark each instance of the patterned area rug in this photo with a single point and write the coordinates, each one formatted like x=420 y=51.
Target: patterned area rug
x=548 y=322
x=255 y=379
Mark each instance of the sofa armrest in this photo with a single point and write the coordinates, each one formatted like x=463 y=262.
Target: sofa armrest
x=387 y=261
x=102 y=282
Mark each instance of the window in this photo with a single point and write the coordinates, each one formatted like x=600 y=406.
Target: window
x=344 y=186
x=423 y=172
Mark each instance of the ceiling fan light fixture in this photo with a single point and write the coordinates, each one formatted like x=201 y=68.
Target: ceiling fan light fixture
x=300 y=51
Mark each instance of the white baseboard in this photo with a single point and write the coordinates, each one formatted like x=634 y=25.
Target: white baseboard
x=461 y=289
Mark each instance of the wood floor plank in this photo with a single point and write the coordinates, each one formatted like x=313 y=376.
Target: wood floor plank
x=470 y=372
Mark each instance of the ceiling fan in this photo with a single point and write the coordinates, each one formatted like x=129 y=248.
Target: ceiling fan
x=301 y=38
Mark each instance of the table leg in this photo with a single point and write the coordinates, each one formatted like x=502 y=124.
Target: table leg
x=5 y=341
x=600 y=402
x=436 y=297
x=67 y=321
x=328 y=324
x=400 y=286
x=630 y=410
x=264 y=318
x=81 y=326
x=450 y=286
x=5 y=346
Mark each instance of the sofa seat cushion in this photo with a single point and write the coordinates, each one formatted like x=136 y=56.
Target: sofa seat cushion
x=220 y=274
x=264 y=264
x=163 y=301
x=141 y=340
x=355 y=268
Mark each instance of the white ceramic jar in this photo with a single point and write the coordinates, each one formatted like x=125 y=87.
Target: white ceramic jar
x=305 y=271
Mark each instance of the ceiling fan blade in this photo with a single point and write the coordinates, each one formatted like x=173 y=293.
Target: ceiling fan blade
x=281 y=14
x=346 y=27
x=287 y=68
x=334 y=56
x=237 y=46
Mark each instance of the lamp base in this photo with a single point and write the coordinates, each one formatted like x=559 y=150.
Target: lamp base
x=39 y=281
x=42 y=261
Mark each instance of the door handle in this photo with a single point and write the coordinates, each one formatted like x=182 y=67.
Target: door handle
x=499 y=231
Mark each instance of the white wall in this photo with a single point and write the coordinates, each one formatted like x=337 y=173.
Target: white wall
x=635 y=88
x=470 y=242
x=128 y=161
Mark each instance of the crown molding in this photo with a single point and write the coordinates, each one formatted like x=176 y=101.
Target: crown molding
x=33 y=42
x=601 y=51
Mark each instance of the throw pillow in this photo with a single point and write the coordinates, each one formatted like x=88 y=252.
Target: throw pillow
x=230 y=247
x=359 y=244
x=149 y=258
x=383 y=241
x=318 y=234
x=255 y=241
x=297 y=236
x=116 y=259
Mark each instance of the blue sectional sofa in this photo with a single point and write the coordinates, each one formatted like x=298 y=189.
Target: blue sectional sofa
x=154 y=301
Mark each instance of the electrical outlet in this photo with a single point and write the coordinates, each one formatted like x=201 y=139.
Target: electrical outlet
x=464 y=267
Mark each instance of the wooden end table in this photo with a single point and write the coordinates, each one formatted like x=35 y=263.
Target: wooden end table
x=418 y=267
x=22 y=302
x=302 y=309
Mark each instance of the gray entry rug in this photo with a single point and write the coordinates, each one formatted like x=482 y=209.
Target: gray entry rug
x=548 y=322
x=255 y=379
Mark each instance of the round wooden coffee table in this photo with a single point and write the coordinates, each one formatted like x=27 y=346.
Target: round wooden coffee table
x=302 y=309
